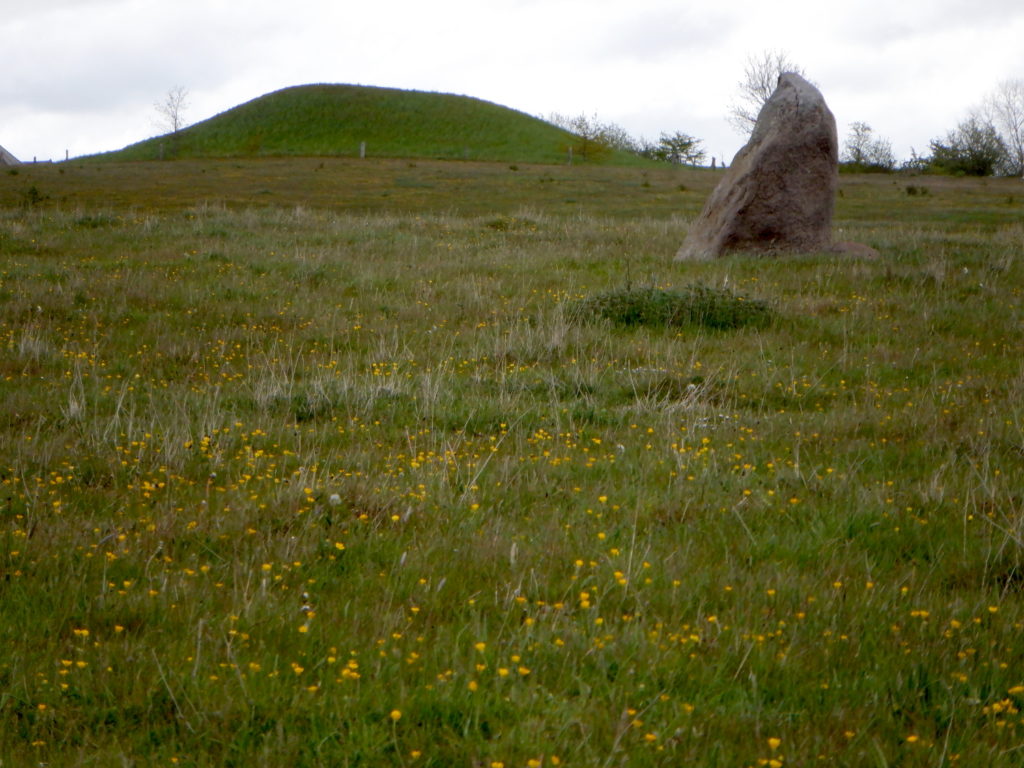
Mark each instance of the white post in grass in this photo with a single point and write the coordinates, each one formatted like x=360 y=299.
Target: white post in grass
x=362 y=150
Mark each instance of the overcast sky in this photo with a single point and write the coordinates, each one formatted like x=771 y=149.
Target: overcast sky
x=83 y=75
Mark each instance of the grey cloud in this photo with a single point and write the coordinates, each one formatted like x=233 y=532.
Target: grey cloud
x=888 y=23
x=100 y=63
x=662 y=33
x=41 y=12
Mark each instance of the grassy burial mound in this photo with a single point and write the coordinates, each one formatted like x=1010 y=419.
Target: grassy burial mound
x=334 y=120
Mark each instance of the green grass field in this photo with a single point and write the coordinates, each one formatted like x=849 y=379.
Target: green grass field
x=333 y=463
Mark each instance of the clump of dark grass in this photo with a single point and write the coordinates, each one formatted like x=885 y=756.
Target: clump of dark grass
x=694 y=305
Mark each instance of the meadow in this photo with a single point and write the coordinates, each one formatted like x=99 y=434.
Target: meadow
x=333 y=463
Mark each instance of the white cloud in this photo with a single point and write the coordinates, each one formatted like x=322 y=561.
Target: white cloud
x=84 y=74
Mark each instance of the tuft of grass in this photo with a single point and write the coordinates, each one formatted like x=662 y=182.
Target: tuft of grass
x=700 y=305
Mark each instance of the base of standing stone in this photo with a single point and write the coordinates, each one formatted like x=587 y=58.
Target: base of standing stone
x=842 y=248
x=854 y=250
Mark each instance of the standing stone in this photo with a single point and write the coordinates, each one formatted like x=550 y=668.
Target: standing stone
x=779 y=193
x=6 y=158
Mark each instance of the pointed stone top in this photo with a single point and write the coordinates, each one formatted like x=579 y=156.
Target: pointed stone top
x=6 y=158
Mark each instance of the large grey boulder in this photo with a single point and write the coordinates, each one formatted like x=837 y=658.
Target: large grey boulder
x=779 y=193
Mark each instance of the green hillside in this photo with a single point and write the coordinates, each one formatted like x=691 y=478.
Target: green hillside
x=333 y=121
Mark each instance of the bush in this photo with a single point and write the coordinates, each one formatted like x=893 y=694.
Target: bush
x=696 y=305
x=863 y=168
x=973 y=149
x=32 y=197
x=864 y=153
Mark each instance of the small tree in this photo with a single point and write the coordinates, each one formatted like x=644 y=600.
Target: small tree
x=916 y=163
x=678 y=147
x=593 y=137
x=616 y=137
x=864 y=152
x=761 y=78
x=973 y=149
x=171 y=110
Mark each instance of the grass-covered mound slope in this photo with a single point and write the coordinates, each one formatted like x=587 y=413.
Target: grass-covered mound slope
x=333 y=120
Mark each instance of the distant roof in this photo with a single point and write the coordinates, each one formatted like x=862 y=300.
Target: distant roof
x=6 y=158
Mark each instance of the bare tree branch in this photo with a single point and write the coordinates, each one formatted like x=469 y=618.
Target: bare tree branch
x=866 y=151
x=760 y=79
x=1004 y=108
x=172 y=109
